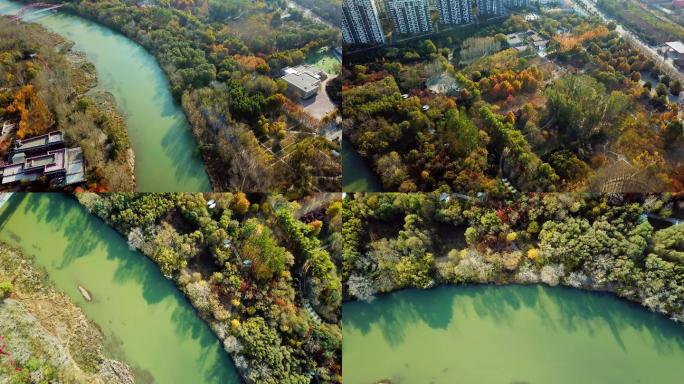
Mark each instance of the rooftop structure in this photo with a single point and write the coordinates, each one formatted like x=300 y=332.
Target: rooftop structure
x=34 y=158
x=39 y=143
x=514 y=40
x=304 y=80
x=676 y=46
x=529 y=39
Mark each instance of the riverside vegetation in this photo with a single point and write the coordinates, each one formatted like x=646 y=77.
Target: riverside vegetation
x=594 y=242
x=261 y=270
x=223 y=61
x=44 y=336
x=452 y=114
x=44 y=87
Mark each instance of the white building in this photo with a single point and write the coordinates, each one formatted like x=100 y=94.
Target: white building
x=303 y=80
x=489 y=8
x=455 y=11
x=675 y=49
x=360 y=23
x=410 y=16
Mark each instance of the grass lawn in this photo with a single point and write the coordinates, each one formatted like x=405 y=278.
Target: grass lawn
x=326 y=60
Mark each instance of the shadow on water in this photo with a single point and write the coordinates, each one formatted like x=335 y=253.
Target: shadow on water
x=8 y=209
x=559 y=308
x=87 y=236
x=175 y=144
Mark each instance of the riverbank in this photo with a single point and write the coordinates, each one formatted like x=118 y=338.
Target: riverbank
x=486 y=334
x=593 y=242
x=674 y=317
x=358 y=174
x=239 y=263
x=44 y=335
x=77 y=249
x=57 y=87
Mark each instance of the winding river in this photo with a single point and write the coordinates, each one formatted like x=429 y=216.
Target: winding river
x=146 y=320
x=508 y=334
x=166 y=155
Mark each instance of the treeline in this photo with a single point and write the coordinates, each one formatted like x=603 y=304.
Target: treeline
x=44 y=89
x=616 y=243
x=248 y=266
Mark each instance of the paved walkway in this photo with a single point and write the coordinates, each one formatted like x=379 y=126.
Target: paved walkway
x=319 y=105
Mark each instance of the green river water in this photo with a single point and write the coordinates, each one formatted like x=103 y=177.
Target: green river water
x=146 y=320
x=508 y=335
x=166 y=156
x=357 y=175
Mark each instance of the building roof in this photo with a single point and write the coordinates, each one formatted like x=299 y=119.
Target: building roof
x=51 y=138
x=676 y=46
x=74 y=166
x=68 y=161
x=513 y=39
x=306 y=78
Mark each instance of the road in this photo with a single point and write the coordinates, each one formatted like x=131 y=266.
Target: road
x=669 y=67
x=308 y=14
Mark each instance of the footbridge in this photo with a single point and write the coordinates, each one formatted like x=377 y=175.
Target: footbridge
x=39 y=7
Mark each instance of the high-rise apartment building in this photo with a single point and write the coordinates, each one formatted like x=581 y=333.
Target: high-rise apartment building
x=489 y=8
x=410 y=16
x=455 y=11
x=517 y=3
x=360 y=22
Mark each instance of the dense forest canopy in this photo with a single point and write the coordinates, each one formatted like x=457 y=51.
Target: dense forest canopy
x=463 y=111
x=261 y=270
x=624 y=244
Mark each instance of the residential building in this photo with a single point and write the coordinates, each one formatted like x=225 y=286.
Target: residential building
x=455 y=11
x=37 y=157
x=360 y=23
x=410 y=16
x=490 y=8
x=303 y=80
x=517 y=3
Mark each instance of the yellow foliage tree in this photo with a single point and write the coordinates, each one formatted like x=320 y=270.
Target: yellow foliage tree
x=316 y=226
x=241 y=203
x=34 y=116
x=512 y=236
x=533 y=254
